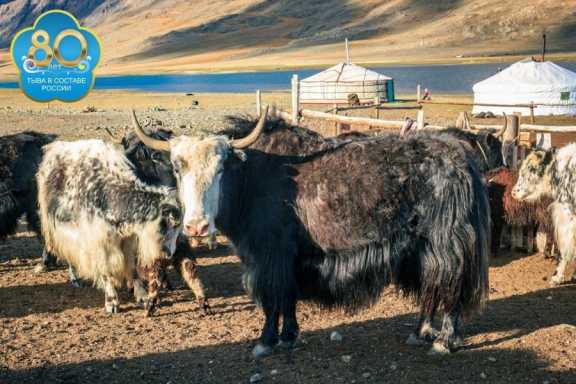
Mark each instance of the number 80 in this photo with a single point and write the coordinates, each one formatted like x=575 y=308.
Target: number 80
x=44 y=46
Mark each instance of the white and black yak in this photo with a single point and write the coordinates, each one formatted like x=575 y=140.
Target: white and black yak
x=336 y=221
x=104 y=221
x=552 y=174
x=20 y=155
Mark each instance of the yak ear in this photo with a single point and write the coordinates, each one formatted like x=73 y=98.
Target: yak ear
x=240 y=154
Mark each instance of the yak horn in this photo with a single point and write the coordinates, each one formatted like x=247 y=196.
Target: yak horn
x=159 y=145
x=252 y=136
x=501 y=133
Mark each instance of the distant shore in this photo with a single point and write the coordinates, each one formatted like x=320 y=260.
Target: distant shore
x=164 y=67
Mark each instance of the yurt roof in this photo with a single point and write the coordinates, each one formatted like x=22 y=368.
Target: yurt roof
x=529 y=76
x=344 y=72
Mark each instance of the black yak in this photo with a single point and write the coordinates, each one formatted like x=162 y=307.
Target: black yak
x=338 y=224
x=20 y=155
x=506 y=209
x=551 y=174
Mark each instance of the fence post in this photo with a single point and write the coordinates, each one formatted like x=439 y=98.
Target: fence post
x=336 y=124
x=532 y=112
x=418 y=93
x=420 y=119
x=258 y=102
x=295 y=99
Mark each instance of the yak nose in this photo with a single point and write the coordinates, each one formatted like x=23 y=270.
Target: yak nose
x=197 y=227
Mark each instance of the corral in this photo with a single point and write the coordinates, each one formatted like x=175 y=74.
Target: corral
x=53 y=333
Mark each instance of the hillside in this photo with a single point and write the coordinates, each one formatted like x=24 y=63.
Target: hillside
x=181 y=35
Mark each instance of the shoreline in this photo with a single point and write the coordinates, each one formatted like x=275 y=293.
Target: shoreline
x=11 y=76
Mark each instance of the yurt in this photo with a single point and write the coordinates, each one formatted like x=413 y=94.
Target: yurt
x=527 y=82
x=336 y=84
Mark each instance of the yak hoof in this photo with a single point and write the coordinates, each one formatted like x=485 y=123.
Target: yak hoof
x=112 y=308
x=439 y=348
x=286 y=344
x=414 y=340
x=260 y=351
x=556 y=280
x=456 y=342
x=77 y=283
x=141 y=296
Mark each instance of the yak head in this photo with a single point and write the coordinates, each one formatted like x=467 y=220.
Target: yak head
x=534 y=177
x=198 y=165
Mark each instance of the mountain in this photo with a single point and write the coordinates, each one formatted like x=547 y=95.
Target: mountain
x=183 y=35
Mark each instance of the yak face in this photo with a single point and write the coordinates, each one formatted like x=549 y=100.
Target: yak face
x=534 y=176
x=198 y=166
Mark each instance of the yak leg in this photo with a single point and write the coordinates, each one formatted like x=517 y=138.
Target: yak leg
x=425 y=331
x=74 y=279
x=450 y=337
x=189 y=271
x=290 y=329
x=269 y=338
x=187 y=267
x=558 y=277
x=154 y=284
x=111 y=302
x=140 y=293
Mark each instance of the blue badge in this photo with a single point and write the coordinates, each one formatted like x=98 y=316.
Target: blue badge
x=56 y=58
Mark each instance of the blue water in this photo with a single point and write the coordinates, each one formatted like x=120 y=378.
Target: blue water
x=457 y=79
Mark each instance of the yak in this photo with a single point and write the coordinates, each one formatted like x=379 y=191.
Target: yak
x=20 y=155
x=154 y=168
x=99 y=217
x=338 y=223
x=550 y=173
x=506 y=210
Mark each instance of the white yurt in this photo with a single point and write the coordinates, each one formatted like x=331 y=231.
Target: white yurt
x=527 y=82
x=333 y=85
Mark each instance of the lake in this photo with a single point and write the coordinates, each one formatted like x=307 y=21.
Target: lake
x=452 y=79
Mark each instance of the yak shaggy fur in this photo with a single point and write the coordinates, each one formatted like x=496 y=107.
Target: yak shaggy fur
x=507 y=210
x=154 y=167
x=20 y=155
x=335 y=221
x=553 y=174
x=484 y=147
x=99 y=217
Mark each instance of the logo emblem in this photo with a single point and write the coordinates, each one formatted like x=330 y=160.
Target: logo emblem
x=56 y=58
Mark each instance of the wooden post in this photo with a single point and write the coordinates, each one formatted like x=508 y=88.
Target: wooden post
x=420 y=119
x=258 y=102
x=418 y=93
x=511 y=157
x=460 y=120
x=295 y=99
x=532 y=120
x=336 y=124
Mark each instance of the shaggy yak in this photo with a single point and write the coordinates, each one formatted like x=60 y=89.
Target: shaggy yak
x=336 y=221
x=20 y=155
x=551 y=174
x=104 y=221
x=154 y=168
x=507 y=210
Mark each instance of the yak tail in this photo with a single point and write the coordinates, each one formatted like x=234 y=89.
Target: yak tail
x=454 y=267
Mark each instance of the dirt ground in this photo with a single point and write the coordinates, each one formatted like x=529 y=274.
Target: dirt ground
x=51 y=332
